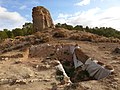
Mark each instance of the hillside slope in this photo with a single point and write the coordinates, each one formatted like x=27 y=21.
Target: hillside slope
x=19 y=72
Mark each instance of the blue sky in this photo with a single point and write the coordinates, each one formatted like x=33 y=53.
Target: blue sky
x=92 y=13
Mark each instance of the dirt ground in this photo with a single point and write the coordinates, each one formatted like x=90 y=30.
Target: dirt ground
x=39 y=74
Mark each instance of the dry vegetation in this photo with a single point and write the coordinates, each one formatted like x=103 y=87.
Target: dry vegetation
x=46 y=36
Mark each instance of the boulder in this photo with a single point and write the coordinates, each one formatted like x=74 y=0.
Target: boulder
x=41 y=19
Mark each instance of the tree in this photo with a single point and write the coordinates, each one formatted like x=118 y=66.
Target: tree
x=18 y=32
x=58 y=25
x=27 y=28
x=78 y=27
x=3 y=35
x=69 y=27
x=9 y=33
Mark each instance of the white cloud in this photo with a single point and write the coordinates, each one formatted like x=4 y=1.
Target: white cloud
x=83 y=2
x=10 y=20
x=94 y=17
x=61 y=15
x=23 y=7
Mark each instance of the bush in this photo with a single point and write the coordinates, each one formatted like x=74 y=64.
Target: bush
x=45 y=38
x=60 y=34
x=42 y=37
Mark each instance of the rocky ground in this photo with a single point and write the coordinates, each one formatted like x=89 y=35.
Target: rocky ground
x=22 y=73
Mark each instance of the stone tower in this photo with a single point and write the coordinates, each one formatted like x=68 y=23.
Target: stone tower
x=41 y=18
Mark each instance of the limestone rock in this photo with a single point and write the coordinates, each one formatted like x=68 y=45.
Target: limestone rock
x=41 y=18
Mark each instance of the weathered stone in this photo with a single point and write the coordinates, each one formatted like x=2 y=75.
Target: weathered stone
x=41 y=18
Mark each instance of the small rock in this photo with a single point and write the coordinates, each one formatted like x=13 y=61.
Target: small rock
x=116 y=79
x=3 y=58
x=12 y=81
x=115 y=83
x=47 y=80
x=117 y=50
x=4 y=81
x=48 y=58
x=114 y=86
x=37 y=66
x=34 y=80
x=47 y=66
x=21 y=82
x=6 y=58
x=17 y=62
x=114 y=62
x=17 y=88
x=27 y=76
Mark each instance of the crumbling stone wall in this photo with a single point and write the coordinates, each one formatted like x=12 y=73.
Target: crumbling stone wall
x=41 y=18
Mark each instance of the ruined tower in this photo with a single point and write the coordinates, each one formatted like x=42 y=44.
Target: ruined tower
x=41 y=18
